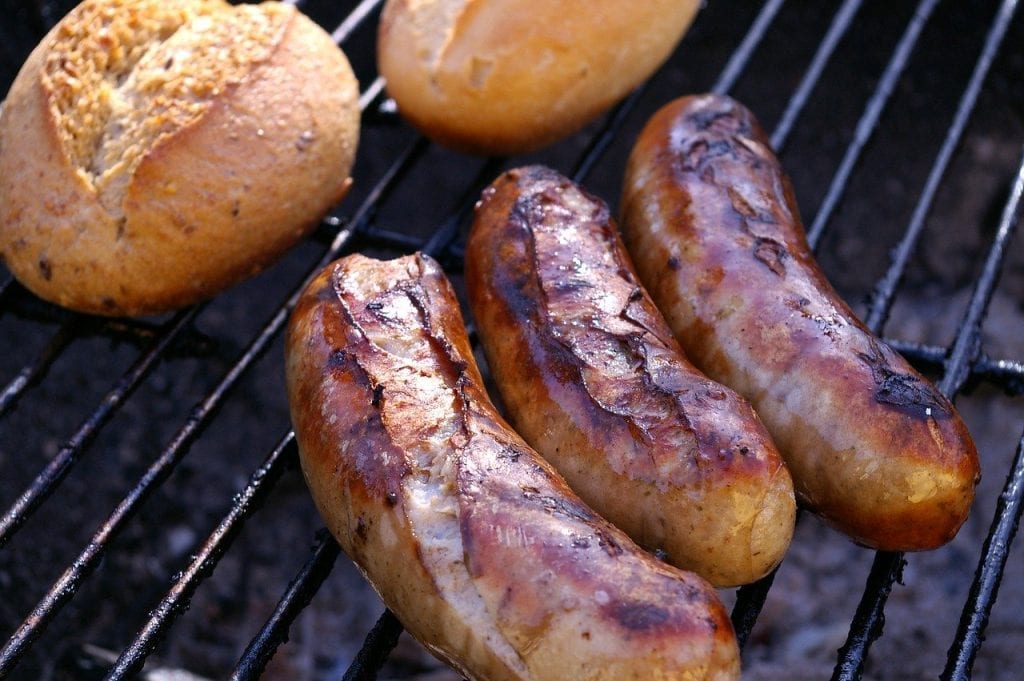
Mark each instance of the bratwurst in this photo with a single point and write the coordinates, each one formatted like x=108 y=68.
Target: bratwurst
x=710 y=220
x=475 y=543
x=594 y=380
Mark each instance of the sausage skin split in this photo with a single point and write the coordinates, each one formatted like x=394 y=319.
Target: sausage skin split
x=594 y=380
x=474 y=542
x=710 y=219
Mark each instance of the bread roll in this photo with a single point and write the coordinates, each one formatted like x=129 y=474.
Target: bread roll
x=154 y=152
x=507 y=76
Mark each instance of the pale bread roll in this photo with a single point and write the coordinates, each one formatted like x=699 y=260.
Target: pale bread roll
x=503 y=77
x=154 y=152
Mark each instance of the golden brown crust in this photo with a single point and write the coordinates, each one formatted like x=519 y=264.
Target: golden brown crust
x=211 y=185
x=710 y=219
x=594 y=380
x=473 y=541
x=504 y=77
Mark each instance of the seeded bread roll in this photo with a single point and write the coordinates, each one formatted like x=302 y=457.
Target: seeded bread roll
x=154 y=152
x=503 y=77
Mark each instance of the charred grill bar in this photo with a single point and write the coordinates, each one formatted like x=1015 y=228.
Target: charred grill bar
x=961 y=363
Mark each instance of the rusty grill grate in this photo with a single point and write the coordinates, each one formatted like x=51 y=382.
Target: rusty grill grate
x=870 y=104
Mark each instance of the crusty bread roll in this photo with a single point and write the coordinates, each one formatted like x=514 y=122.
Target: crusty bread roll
x=154 y=152
x=507 y=76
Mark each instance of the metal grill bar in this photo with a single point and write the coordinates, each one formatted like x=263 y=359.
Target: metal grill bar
x=60 y=465
x=1008 y=374
x=176 y=601
x=869 y=119
x=867 y=623
x=372 y=93
x=354 y=20
x=985 y=587
x=968 y=339
x=1004 y=524
x=298 y=594
x=32 y=372
x=741 y=57
x=836 y=30
x=750 y=600
x=605 y=136
x=881 y=300
x=379 y=643
x=69 y=582
x=445 y=235
x=7 y=282
x=398 y=241
x=886 y=570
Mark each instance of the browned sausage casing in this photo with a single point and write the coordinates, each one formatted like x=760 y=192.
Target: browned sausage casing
x=474 y=542
x=594 y=380
x=710 y=219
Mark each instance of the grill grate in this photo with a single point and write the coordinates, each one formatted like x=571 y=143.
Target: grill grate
x=961 y=364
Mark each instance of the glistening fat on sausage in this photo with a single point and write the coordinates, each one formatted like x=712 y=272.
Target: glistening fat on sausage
x=594 y=380
x=474 y=542
x=710 y=220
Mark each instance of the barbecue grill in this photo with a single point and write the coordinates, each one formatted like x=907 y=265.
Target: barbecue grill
x=146 y=465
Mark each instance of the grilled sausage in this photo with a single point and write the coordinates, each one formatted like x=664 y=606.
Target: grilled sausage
x=710 y=219
x=594 y=380
x=475 y=543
